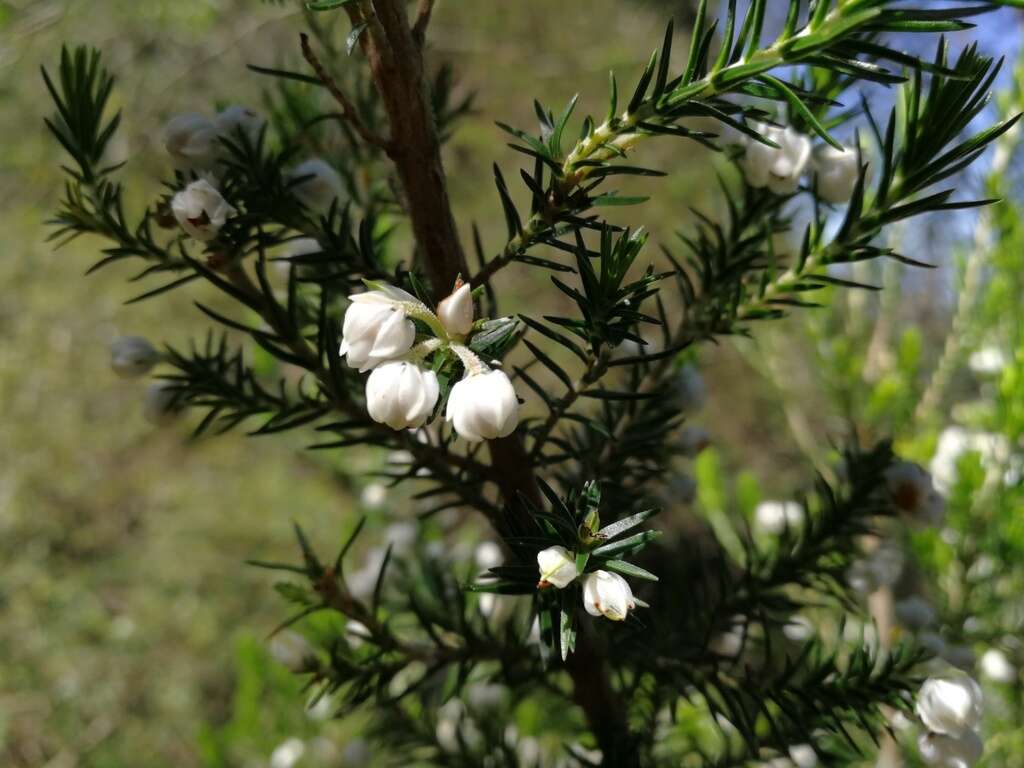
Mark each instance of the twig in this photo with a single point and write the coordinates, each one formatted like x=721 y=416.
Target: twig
x=348 y=110
x=419 y=27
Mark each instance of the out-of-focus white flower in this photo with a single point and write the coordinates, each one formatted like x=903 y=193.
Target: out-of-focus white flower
x=729 y=643
x=483 y=697
x=201 y=210
x=488 y=555
x=693 y=440
x=357 y=633
x=454 y=726
x=133 y=356
x=293 y=651
x=988 y=361
x=316 y=184
x=401 y=394
x=287 y=753
x=779 y=168
x=915 y=613
x=373 y=496
x=798 y=629
x=376 y=327
x=557 y=567
x=159 y=405
x=776 y=517
x=238 y=118
x=881 y=568
x=456 y=311
x=910 y=489
x=994 y=450
x=483 y=406
x=803 y=756
x=996 y=666
x=294 y=250
x=689 y=389
x=607 y=594
x=950 y=705
x=961 y=751
x=836 y=172
x=401 y=536
x=191 y=141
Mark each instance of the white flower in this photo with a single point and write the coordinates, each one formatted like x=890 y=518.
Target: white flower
x=950 y=705
x=836 y=171
x=293 y=651
x=911 y=490
x=376 y=328
x=557 y=567
x=915 y=612
x=607 y=594
x=951 y=751
x=288 y=753
x=954 y=442
x=997 y=667
x=373 y=496
x=692 y=440
x=238 y=118
x=988 y=361
x=483 y=406
x=159 y=404
x=401 y=394
x=776 y=517
x=488 y=555
x=191 y=141
x=456 y=311
x=316 y=184
x=201 y=210
x=132 y=356
x=803 y=756
x=780 y=168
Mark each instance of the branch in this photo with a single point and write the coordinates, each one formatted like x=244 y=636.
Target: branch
x=419 y=27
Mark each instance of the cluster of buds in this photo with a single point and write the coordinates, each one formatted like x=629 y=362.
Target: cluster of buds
x=950 y=708
x=780 y=168
x=132 y=357
x=379 y=335
x=604 y=593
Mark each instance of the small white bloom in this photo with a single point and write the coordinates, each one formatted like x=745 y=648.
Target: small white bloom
x=376 y=328
x=780 y=168
x=951 y=751
x=357 y=633
x=288 y=753
x=557 y=567
x=915 y=613
x=488 y=555
x=803 y=755
x=159 y=404
x=607 y=594
x=401 y=394
x=373 y=496
x=316 y=184
x=293 y=651
x=483 y=406
x=201 y=210
x=776 y=517
x=729 y=643
x=456 y=311
x=401 y=536
x=987 y=361
x=191 y=141
x=836 y=171
x=950 y=705
x=238 y=118
x=798 y=628
x=693 y=440
x=994 y=450
x=911 y=490
x=997 y=667
x=132 y=356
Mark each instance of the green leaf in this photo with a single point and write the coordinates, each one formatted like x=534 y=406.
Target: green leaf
x=618 y=528
x=628 y=569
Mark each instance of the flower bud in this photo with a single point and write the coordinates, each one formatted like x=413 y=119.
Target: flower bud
x=915 y=613
x=557 y=567
x=191 y=141
x=836 y=172
x=401 y=394
x=607 y=594
x=160 y=404
x=911 y=490
x=693 y=440
x=456 y=312
x=132 y=356
x=776 y=517
x=201 y=210
x=376 y=328
x=950 y=705
x=235 y=119
x=951 y=751
x=997 y=667
x=316 y=184
x=803 y=756
x=288 y=753
x=483 y=406
x=780 y=168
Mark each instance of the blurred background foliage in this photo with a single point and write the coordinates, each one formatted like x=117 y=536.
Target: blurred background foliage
x=132 y=633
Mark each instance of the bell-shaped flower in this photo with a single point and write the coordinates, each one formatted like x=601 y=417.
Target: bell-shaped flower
x=456 y=312
x=836 y=172
x=316 y=184
x=996 y=666
x=950 y=751
x=401 y=394
x=376 y=327
x=483 y=406
x=133 y=356
x=911 y=490
x=191 y=141
x=557 y=567
x=776 y=517
x=238 y=119
x=607 y=594
x=950 y=705
x=160 y=404
x=778 y=168
x=201 y=210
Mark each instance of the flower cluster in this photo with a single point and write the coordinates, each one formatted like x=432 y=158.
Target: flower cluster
x=132 y=357
x=604 y=593
x=950 y=708
x=380 y=335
